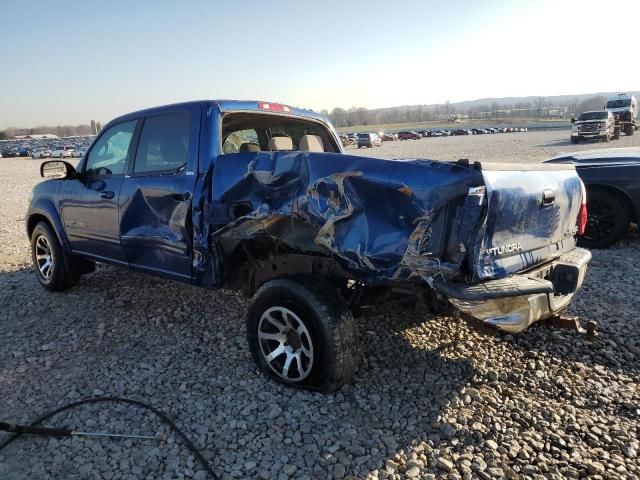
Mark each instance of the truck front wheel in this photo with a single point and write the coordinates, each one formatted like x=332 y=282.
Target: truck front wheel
x=631 y=130
x=301 y=333
x=575 y=139
x=48 y=260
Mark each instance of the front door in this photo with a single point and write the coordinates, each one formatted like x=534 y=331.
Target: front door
x=90 y=206
x=155 y=199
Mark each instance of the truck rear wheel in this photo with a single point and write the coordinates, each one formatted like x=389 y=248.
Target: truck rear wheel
x=301 y=333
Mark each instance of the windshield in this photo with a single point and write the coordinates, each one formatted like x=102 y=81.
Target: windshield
x=594 y=115
x=618 y=103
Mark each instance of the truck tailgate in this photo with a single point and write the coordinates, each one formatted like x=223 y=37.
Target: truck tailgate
x=531 y=216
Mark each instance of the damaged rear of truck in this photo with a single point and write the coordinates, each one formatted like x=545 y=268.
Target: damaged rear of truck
x=277 y=209
x=497 y=241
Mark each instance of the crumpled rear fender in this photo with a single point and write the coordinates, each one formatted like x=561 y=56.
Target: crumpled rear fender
x=377 y=217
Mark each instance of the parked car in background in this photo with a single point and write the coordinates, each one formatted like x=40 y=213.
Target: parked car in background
x=41 y=153
x=612 y=180
x=461 y=131
x=436 y=133
x=369 y=140
x=10 y=152
x=24 y=152
x=346 y=140
x=78 y=152
x=388 y=137
x=409 y=135
x=62 y=152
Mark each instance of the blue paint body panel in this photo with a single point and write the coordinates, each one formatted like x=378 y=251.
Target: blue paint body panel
x=381 y=220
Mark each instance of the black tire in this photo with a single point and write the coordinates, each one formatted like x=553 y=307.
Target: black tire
x=331 y=333
x=631 y=130
x=616 y=134
x=607 y=220
x=45 y=243
x=575 y=139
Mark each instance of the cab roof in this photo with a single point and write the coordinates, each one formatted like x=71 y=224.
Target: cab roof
x=228 y=106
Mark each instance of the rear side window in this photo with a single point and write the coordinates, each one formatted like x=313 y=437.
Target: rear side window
x=163 y=145
x=233 y=143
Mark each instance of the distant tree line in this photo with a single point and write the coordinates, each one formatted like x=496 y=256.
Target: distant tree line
x=60 y=130
x=540 y=108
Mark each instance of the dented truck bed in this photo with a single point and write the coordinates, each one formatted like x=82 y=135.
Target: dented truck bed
x=476 y=233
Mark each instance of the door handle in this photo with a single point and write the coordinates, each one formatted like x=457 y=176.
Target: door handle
x=107 y=194
x=548 y=197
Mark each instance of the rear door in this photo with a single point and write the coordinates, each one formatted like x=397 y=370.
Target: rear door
x=155 y=199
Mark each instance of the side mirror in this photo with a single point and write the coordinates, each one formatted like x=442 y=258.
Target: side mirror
x=57 y=169
x=573 y=120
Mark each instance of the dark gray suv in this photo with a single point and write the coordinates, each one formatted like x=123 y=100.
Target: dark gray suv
x=369 y=140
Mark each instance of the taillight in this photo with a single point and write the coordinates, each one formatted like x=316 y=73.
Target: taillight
x=582 y=216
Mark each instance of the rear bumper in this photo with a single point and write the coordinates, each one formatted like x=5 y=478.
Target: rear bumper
x=514 y=303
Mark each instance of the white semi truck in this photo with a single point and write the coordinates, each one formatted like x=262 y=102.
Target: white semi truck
x=625 y=112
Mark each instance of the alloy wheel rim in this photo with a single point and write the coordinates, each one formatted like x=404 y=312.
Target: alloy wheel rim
x=44 y=258
x=601 y=221
x=285 y=344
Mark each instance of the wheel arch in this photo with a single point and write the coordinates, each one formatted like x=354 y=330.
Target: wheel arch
x=252 y=262
x=45 y=212
x=619 y=194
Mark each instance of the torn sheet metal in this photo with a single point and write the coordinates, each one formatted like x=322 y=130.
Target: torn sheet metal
x=375 y=216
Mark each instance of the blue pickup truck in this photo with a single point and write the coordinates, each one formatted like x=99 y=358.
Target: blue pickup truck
x=261 y=197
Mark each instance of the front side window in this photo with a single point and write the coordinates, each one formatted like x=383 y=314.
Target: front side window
x=163 y=145
x=109 y=155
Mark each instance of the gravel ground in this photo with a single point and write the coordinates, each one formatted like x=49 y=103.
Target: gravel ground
x=434 y=397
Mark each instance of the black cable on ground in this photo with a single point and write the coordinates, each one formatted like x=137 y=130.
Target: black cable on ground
x=188 y=443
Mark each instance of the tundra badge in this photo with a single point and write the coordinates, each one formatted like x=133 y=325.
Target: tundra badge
x=510 y=248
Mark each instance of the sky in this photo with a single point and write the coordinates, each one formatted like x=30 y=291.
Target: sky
x=67 y=62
